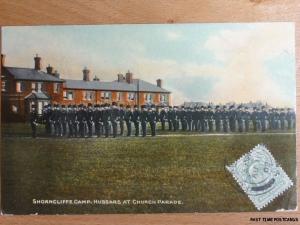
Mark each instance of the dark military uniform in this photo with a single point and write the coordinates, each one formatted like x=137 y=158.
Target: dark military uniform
x=174 y=118
x=181 y=114
x=210 y=119
x=225 y=119
x=143 y=118
x=195 y=119
x=169 y=117
x=33 y=121
x=121 y=119
x=247 y=118
x=218 y=118
x=97 y=120
x=263 y=116
x=106 y=119
x=128 y=117
x=135 y=119
x=162 y=118
x=82 y=120
x=90 y=114
x=64 y=120
x=71 y=121
x=202 y=118
x=189 y=119
x=291 y=118
x=282 y=117
x=254 y=119
x=232 y=119
x=114 y=118
x=152 y=118
x=240 y=119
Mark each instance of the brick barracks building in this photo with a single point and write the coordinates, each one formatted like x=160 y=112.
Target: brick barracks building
x=24 y=87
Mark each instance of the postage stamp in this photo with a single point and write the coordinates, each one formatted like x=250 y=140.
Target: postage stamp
x=260 y=176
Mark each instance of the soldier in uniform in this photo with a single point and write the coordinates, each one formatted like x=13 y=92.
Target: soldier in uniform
x=81 y=120
x=121 y=118
x=240 y=119
x=33 y=121
x=89 y=114
x=218 y=118
x=174 y=117
x=254 y=119
x=202 y=117
x=232 y=118
x=189 y=118
x=57 y=121
x=282 y=117
x=106 y=119
x=47 y=118
x=181 y=114
x=114 y=118
x=143 y=118
x=162 y=117
x=76 y=122
x=195 y=118
x=225 y=119
x=263 y=117
x=169 y=117
x=152 y=118
x=246 y=117
x=70 y=120
x=97 y=120
x=128 y=118
x=135 y=119
x=64 y=121
x=291 y=118
x=210 y=119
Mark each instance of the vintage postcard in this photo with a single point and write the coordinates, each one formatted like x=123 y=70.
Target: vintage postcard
x=148 y=118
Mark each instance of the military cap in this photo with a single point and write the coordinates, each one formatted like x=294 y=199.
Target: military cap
x=114 y=103
x=224 y=107
x=209 y=107
x=231 y=107
x=217 y=106
x=90 y=104
x=128 y=106
x=121 y=105
x=69 y=106
x=135 y=106
x=63 y=106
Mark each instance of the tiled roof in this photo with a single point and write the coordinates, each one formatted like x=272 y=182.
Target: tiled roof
x=114 y=85
x=30 y=74
x=38 y=95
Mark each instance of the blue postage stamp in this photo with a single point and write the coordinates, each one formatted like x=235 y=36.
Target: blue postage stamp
x=260 y=176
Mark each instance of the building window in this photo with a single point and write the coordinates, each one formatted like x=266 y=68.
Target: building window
x=119 y=96
x=131 y=96
x=163 y=98
x=88 y=95
x=20 y=86
x=33 y=85
x=39 y=87
x=4 y=86
x=55 y=87
x=105 y=95
x=148 y=97
x=68 y=95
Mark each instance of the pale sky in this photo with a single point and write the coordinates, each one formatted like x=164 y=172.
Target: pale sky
x=198 y=62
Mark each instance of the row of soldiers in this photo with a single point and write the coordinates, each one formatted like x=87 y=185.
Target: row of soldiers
x=106 y=119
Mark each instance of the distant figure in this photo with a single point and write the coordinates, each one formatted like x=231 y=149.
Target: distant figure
x=33 y=121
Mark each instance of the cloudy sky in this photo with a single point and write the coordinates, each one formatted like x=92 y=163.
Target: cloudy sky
x=197 y=62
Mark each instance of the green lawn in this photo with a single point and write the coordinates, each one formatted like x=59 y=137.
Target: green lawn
x=186 y=168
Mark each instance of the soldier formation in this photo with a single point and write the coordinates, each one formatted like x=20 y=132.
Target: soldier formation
x=110 y=120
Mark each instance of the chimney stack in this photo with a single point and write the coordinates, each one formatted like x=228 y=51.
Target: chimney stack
x=129 y=77
x=2 y=60
x=120 y=78
x=159 y=83
x=37 y=62
x=86 y=74
x=49 y=69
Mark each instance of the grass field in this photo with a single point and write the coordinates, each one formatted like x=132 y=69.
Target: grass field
x=186 y=168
